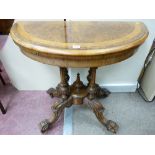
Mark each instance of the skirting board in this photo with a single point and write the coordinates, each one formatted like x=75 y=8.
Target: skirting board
x=68 y=114
x=120 y=87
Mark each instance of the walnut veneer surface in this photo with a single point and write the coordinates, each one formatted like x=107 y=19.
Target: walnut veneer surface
x=78 y=43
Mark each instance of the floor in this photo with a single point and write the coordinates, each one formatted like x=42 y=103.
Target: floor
x=133 y=115
x=24 y=112
x=25 y=109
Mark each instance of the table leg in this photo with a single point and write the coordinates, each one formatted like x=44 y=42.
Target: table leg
x=98 y=109
x=57 y=108
x=95 y=91
x=62 y=91
x=2 y=108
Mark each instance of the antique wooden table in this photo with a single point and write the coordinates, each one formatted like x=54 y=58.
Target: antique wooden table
x=78 y=44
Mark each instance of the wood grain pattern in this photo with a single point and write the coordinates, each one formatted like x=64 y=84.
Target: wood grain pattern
x=78 y=43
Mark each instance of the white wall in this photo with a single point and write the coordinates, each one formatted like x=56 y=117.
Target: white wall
x=27 y=74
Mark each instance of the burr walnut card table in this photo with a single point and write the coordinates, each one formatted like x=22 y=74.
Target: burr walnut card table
x=90 y=44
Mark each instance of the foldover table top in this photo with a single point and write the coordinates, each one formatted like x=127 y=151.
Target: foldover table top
x=62 y=42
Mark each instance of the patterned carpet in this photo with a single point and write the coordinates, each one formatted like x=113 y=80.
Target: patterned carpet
x=25 y=109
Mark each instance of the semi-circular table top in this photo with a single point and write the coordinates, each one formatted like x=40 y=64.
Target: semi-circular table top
x=78 y=43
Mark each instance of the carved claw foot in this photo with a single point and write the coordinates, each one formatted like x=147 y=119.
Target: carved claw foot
x=52 y=92
x=103 y=92
x=44 y=125
x=57 y=109
x=111 y=126
x=96 y=91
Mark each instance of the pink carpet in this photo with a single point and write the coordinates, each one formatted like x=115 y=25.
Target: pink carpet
x=25 y=109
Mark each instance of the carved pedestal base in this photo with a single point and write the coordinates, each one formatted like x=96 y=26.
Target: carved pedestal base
x=78 y=93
